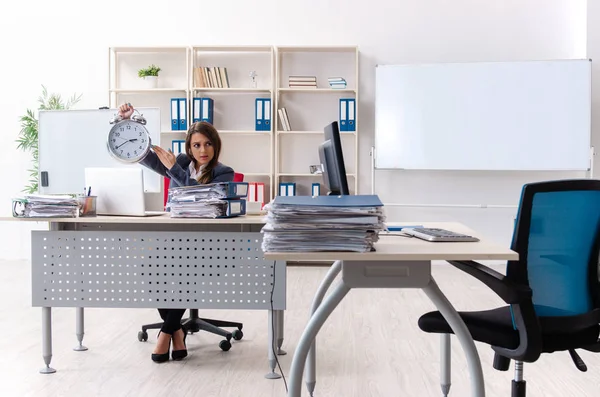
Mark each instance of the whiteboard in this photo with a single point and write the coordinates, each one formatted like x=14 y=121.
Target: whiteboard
x=71 y=140
x=529 y=115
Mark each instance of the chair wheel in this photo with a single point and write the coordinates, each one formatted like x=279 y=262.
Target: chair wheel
x=237 y=334
x=142 y=336
x=225 y=345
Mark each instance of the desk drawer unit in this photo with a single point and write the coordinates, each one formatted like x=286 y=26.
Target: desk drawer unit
x=138 y=269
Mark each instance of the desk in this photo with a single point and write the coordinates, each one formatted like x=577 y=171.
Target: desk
x=152 y=262
x=398 y=262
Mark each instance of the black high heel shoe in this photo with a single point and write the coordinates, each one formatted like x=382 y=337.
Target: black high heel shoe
x=180 y=354
x=162 y=357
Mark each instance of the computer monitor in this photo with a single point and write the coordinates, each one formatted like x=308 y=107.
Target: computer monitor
x=332 y=161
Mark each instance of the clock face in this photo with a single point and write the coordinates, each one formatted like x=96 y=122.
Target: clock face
x=128 y=141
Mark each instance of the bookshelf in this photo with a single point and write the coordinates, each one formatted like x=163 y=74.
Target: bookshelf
x=272 y=156
x=310 y=104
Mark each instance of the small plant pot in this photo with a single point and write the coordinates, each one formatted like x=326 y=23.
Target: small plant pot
x=150 y=81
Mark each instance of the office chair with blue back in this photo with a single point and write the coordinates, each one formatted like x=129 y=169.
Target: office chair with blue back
x=552 y=291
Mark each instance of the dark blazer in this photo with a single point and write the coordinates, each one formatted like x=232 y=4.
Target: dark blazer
x=180 y=172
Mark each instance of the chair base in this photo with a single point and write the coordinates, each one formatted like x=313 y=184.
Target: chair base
x=518 y=388
x=195 y=324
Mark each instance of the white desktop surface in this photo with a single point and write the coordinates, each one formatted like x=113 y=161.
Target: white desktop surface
x=165 y=218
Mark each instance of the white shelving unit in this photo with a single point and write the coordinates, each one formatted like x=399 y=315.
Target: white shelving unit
x=262 y=156
x=311 y=109
x=246 y=150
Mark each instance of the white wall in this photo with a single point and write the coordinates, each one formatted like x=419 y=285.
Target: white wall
x=63 y=45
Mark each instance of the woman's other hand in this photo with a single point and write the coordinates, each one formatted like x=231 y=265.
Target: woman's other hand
x=166 y=157
x=125 y=110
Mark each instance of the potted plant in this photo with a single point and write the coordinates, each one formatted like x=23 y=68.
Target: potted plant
x=28 y=136
x=150 y=75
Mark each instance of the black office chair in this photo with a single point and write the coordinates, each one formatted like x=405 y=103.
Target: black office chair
x=194 y=324
x=552 y=291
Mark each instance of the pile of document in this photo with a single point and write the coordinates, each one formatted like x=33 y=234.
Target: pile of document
x=46 y=206
x=215 y=200
x=323 y=223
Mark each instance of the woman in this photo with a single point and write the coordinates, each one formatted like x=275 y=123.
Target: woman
x=198 y=165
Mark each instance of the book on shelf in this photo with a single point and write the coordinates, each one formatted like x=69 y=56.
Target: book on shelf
x=337 y=83
x=284 y=119
x=302 y=81
x=211 y=77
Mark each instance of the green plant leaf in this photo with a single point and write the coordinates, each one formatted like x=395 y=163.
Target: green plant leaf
x=152 y=70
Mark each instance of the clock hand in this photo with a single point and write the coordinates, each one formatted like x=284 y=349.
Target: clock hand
x=127 y=141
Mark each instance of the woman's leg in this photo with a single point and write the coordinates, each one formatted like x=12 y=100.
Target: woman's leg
x=172 y=320
x=172 y=325
x=163 y=314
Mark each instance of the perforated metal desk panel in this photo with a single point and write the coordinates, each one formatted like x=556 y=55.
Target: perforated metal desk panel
x=150 y=269
x=154 y=262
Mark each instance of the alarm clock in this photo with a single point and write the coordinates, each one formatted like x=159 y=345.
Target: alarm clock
x=128 y=139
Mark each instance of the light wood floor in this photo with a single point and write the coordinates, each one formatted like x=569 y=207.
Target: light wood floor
x=371 y=346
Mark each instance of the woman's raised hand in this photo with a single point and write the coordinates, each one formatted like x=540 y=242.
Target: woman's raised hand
x=125 y=110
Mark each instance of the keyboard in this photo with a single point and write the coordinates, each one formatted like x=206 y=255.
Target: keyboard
x=433 y=234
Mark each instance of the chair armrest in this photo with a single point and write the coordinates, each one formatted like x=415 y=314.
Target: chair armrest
x=505 y=288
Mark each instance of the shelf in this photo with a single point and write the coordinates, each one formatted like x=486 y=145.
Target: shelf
x=238 y=90
x=342 y=133
x=218 y=48
x=267 y=174
x=317 y=90
x=309 y=175
x=245 y=132
x=317 y=49
x=225 y=132
x=145 y=90
x=306 y=174
x=148 y=50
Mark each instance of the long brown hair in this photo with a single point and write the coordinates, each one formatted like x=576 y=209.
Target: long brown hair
x=210 y=132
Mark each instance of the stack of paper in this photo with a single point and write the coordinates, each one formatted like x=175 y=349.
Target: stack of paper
x=215 y=200
x=46 y=206
x=323 y=223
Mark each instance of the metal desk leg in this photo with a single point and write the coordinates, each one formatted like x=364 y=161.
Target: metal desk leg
x=462 y=333
x=445 y=364
x=47 y=340
x=310 y=333
x=279 y=328
x=79 y=329
x=310 y=372
x=272 y=346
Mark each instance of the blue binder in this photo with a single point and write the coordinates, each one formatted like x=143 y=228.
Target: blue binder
x=259 y=109
x=174 y=114
x=233 y=208
x=196 y=109
x=347 y=119
x=316 y=189
x=351 y=112
x=206 y=110
x=267 y=114
x=263 y=114
x=235 y=189
x=183 y=123
x=366 y=200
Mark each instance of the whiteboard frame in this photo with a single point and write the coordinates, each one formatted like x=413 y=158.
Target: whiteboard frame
x=590 y=159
